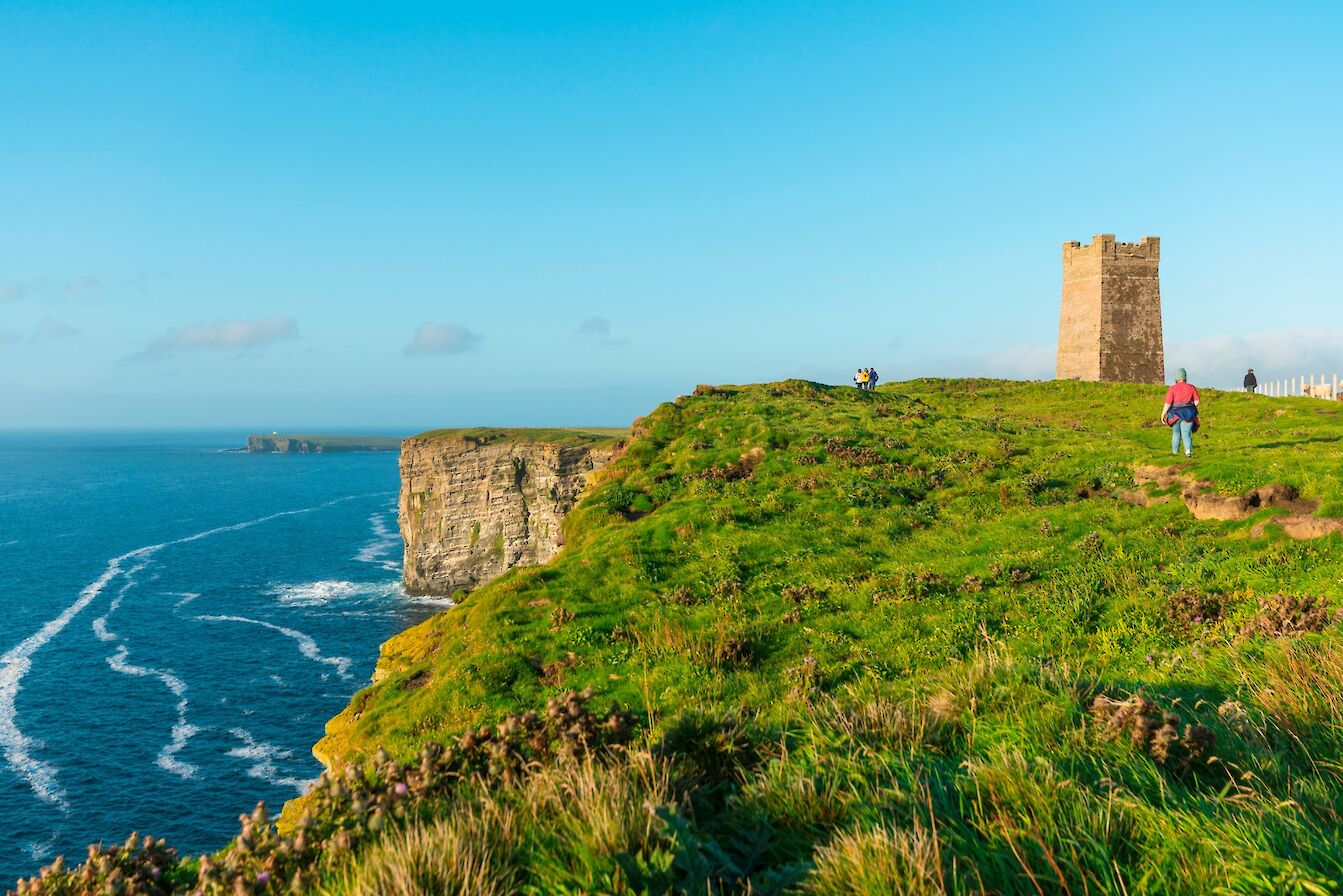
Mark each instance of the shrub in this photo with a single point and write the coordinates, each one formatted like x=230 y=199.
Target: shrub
x=1154 y=731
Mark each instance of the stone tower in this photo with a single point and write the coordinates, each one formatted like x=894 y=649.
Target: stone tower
x=1110 y=327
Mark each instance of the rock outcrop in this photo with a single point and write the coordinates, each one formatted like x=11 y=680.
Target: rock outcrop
x=280 y=444
x=476 y=504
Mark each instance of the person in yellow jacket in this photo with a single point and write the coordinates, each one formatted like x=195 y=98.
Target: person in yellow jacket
x=860 y=378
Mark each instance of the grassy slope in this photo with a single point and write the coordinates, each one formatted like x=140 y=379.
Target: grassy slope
x=862 y=635
x=909 y=610
x=484 y=435
x=685 y=607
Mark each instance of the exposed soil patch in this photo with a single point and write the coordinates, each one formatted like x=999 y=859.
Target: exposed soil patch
x=1204 y=504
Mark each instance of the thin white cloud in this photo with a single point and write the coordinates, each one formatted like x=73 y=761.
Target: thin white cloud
x=83 y=287
x=1223 y=360
x=1215 y=361
x=48 y=328
x=222 y=336
x=598 y=330
x=88 y=284
x=1024 y=362
x=442 y=339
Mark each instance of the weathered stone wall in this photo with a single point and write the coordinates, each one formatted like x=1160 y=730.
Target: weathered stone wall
x=1110 y=323
x=471 y=510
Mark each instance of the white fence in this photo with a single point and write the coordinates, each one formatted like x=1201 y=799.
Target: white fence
x=1304 y=385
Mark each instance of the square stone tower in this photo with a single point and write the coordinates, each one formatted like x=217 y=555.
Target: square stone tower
x=1110 y=326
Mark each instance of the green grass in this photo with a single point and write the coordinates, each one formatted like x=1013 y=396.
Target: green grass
x=487 y=435
x=863 y=637
x=881 y=535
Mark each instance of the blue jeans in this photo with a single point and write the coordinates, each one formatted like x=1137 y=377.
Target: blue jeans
x=1183 y=429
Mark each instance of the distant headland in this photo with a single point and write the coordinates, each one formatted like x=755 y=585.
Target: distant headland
x=276 y=443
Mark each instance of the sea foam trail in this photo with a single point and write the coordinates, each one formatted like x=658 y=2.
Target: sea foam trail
x=182 y=731
x=100 y=629
x=263 y=756
x=306 y=645
x=18 y=660
x=14 y=665
x=384 y=540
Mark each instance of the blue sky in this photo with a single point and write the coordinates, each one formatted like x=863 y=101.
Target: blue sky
x=286 y=216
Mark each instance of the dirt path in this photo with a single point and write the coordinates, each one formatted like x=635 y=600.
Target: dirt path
x=1198 y=495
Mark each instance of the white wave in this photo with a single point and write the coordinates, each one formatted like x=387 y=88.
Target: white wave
x=383 y=543
x=264 y=756
x=429 y=600
x=329 y=591
x=186 y=598
x=100 y=629
x=17 y=661
x=40 y=852
x=316 y=594
x=306 y=645
x=183 y=731
x=14 y=665
x=5 y=544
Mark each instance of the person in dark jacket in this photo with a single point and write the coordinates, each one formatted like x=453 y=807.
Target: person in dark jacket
x=1251 y=384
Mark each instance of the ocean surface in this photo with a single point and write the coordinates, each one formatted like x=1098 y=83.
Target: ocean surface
x=177 y=623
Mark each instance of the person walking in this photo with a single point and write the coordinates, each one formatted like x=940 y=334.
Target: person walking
x=871 y=378
x=1180 y=413
x=860 y=378
x=1251 y=384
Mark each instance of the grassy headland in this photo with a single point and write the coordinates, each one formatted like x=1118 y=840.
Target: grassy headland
x=930 y=639
x=487 y=435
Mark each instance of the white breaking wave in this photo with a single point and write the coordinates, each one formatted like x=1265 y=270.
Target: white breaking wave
x=329 y=591
x=430 y=600
x=384 y=541
x=263 y=756
x=40 y=852
x=187 y=597
x=17 y=661
x=14 y=665
x=316 y=594
x=183 y=731
x=100 y=629
x=306 y=645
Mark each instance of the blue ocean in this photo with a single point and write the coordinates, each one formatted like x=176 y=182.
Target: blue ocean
x=179 y=621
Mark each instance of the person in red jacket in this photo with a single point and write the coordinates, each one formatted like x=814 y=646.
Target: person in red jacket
x=1180 y=413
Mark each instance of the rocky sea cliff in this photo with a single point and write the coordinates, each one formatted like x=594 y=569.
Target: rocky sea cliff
x=476 y=503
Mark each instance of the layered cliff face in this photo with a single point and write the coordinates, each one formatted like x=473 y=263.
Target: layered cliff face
x=477 y=503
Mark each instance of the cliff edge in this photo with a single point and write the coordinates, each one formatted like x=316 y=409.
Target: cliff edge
x=475 y=503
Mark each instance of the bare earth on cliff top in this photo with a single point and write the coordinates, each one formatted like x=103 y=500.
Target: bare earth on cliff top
x=922 y=640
